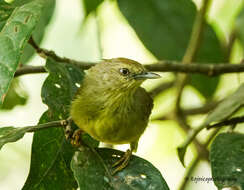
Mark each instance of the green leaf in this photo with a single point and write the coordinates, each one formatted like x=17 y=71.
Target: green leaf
x=165 y=27
x=16 y=96
x=239 y=26
x=227 y=107
x=51 y=152
x=227 y=164
x=88 y=165
x=5 y=11
x=91 y=5
x=39 y=30
x=13 y=38
x=11 y=134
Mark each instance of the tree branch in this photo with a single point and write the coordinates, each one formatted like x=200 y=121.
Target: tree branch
x=29 y=70
x=60 y=123
x=47 y=53
x=208 y=69
x=232 y=121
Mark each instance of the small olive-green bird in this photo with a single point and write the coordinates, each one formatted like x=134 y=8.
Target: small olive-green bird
x=111 y=106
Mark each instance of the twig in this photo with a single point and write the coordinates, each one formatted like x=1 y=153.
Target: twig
x=195 y=161
x=60 y=123
x=182 y=79
x=232 y=121
x=47 y=53
x=29 y=70
x=191 y=50
x=209 y=69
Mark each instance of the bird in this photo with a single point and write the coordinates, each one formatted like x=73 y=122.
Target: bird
x=111 y=106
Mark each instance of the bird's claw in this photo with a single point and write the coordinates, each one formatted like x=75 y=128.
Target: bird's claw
x=68 y=129
x=76 y=138
x=122 y=162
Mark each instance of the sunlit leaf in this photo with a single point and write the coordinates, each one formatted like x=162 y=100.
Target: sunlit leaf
x=39 y=30
x=227 y=107
x=16 y=96
x=239 y=26
x=13 y=38
x=11 y=134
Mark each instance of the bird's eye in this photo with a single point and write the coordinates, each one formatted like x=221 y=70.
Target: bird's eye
x=124 y=71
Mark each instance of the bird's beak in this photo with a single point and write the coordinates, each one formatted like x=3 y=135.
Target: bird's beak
x=146 y=75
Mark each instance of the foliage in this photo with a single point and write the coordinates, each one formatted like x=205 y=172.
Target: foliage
x=165 y=29
x=227 y=151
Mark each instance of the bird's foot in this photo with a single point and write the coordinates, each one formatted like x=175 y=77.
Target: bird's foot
x=122 y=162
x=76 y=138
x=68 y=130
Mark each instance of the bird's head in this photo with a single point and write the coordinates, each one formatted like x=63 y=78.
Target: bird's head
x=120 y=73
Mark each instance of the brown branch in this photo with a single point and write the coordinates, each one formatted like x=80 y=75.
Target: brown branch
x=60 y=123
x=232 y=121
x=47 y=53
x=29 y=70
x=209 y=69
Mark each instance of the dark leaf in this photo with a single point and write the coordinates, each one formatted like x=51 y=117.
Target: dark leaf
x=227 y=164
x=210 y=51
x=51 y=152
x=91 y=5
x=16 y=96
x=61 y=85
x=50 y=159
x=13 y=38
x=11 y=134
x=181 y=154
x=227 y=107
x=140 y=174
x=165 y=27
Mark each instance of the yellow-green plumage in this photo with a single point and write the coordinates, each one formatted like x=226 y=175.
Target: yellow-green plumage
x=110 y=105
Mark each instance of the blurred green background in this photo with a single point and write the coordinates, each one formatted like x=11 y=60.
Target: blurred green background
x=107 y=34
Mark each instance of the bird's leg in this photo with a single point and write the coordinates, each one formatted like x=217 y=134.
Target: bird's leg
x=68 y=130
x=76 y=138
x=73 y=136
x=124 y=160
